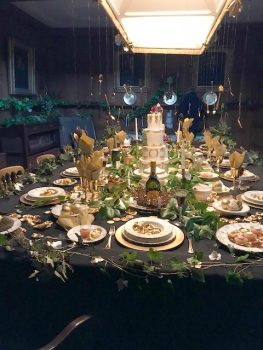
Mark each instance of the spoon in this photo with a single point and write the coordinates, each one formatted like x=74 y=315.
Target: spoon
x=108 y=105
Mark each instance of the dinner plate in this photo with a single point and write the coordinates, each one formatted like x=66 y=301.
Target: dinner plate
x=63 y=174
x=16 y=225
x=225 y=164
x=212 y=176
x=178 y=240
x=39 y=193
x=249 y=196
x=247 y=175
x=225 y=190
x=223 y=232
x=250 y=202
x=72 y=171
x=60 y=182
x=73 y=237
x=245 y=209
x=146 y=244
x=253 y=205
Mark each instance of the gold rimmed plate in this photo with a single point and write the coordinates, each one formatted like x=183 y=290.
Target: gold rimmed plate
x=66 y=181
x=253 y=205
x=177 y=241
x=25 y=199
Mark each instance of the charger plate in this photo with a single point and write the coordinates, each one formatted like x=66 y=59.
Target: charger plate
x=240 y=197
x=254 y=179
x=24 y=199
x=178 y=240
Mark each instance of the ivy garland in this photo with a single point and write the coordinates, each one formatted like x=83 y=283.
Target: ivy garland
x=22 y=110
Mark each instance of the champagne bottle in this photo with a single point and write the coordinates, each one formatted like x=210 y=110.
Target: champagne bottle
x=153 y=187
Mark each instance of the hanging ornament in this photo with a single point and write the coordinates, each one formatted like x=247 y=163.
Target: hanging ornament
x=91 y=86
x=109 y=110
x=169 y=97
x=235 y=8
x=220 y=91
x=239 y=110
x=100 y=81
x=129 y=97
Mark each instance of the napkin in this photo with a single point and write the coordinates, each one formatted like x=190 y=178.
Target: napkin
x=215 y=142
x=110 y=143
x=208 y=139
x=187 y=124
x=189 y=136
x=220 y=149
x=89 y=167
x=178 y=136
x=67 y=220
x=236 y=159
x=86 y=143
x=121 y=136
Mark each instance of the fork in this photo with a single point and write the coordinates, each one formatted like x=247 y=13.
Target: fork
x=111 y=233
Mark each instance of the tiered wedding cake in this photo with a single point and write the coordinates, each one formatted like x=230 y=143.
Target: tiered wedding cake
x=154 y=148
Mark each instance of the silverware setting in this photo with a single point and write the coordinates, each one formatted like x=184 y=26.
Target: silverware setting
x=111 y=234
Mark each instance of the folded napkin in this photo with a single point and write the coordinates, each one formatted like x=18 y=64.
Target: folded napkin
x=121 y=136
x=187 y=123
x=189 y=136
x=178 y=136
x=236 y=159
x=86 y=143
x=110 y=143
x=208 y=139
x=68 y=221
x=220 y=149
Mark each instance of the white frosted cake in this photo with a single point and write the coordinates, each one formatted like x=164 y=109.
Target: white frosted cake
x=148 y=231
x=154 y=148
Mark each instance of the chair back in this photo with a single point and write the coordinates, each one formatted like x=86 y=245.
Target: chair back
x=8 y=176
x=44 y=157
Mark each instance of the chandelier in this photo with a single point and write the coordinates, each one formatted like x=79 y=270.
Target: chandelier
x=167 y=26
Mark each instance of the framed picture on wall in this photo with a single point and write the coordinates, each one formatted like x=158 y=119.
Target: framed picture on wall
x=21 y=68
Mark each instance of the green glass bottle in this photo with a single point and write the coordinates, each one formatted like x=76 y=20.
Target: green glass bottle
x=153 y=187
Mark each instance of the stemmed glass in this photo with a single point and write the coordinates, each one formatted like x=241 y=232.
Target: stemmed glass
x=219 y=160
x=234 y=174
x=240 y=173
x=180 y=196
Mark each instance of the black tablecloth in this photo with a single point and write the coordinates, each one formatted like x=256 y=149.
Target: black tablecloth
x=206 y=246
x=144 y=316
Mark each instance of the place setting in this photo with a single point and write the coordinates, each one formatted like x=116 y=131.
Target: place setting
x=149 y=232
x=42 y=196
x=252 y=198
x=71 y=172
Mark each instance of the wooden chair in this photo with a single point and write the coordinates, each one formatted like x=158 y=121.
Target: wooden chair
x=8 y=176
x=65 y=332
x=44 y=157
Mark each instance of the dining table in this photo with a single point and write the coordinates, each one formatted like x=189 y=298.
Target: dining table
x=128 y=312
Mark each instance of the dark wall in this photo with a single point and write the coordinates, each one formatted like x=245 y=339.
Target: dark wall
x=15 y=24
x=66 y=60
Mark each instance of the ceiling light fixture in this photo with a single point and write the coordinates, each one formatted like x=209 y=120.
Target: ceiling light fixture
x=167 y=26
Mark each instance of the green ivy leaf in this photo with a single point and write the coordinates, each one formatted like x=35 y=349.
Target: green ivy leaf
x=234 y=278
x=154 y=256
x=247 y=275
x=3 y=240
x=242 y=258
x=128 y=258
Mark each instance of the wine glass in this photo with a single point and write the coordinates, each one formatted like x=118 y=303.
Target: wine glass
x=180 y=196
x=240 y=173
x=219 y=160
x=234 y=174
